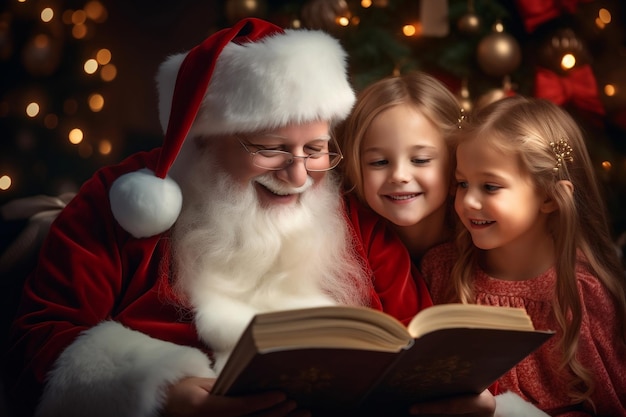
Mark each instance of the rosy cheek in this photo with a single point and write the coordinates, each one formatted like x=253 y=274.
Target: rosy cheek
x=458 y=203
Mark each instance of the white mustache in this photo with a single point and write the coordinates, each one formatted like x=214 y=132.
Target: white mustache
x=280 y=188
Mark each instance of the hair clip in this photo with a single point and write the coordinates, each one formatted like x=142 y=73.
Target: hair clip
x=563 y=152
x=461 y=117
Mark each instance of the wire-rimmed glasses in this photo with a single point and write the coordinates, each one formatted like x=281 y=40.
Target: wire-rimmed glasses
x=275 y=160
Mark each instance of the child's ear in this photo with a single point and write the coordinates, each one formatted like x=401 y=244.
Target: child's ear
x=549 y=205
x=567 y=184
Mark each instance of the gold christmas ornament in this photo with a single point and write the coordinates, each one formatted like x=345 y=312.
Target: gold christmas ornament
x=559 y=45
x=469 y=24
x=490 y=96
x=499 y=53
x=325 y=14
x=495 y=94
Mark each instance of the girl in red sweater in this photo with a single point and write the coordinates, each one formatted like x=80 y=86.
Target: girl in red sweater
x=536 y=236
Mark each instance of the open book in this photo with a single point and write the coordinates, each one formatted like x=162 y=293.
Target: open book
x=340 y=359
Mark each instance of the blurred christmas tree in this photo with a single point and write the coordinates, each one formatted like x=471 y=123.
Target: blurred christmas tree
x=572 y=53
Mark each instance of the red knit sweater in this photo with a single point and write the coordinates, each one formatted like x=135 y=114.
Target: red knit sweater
x=538 y=378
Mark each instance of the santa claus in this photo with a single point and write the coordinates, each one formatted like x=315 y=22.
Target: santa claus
x=262 y=229
x=153 y=271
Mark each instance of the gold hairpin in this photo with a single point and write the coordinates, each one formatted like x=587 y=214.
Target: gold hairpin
x=461 y=117
x=563 y=152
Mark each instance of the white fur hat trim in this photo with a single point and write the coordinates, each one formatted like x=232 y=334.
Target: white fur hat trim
x=295 y=77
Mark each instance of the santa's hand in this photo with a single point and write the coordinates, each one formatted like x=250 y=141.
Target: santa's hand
x=483 y=405
x=191 y=397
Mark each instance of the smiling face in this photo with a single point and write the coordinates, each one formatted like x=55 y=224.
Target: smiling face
x=405 y=164
x=284 y=186
x=496 y=199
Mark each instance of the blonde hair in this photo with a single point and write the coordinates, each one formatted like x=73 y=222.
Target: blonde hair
x=528 y=128
x=427 y=94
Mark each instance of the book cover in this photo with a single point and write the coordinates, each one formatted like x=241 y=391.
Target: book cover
x=344 y=360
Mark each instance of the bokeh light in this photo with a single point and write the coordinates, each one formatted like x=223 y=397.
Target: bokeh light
x=108 y=72
x=105 y=147
x=47 y=14
x=90 y=66
x=96 y=102
x=75 y=136
x=103 y=56
x=568 y=61
x=32 y=109
x=5 y=182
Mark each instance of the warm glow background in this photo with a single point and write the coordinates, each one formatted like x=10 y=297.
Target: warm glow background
x=77 y=84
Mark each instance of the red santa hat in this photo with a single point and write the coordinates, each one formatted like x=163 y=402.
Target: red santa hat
x=251 y=77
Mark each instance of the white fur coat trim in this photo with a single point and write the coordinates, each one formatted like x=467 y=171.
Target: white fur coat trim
x=509 y=404
x=110 y=370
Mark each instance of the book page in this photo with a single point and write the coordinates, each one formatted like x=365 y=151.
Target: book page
x=330 y=327
x=446 y=316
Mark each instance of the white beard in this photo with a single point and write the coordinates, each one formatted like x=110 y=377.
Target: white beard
x=235 y=258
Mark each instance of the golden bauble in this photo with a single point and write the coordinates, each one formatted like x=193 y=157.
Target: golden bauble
x=499 y=54
x=559 y=43
x=469 y=24
x=324 y=14
x=491 y=96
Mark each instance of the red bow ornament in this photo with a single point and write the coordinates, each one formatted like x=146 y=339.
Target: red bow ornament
x=536 y=12
x=578 y=87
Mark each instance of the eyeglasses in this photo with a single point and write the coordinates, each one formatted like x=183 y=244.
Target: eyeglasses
x=275 y=160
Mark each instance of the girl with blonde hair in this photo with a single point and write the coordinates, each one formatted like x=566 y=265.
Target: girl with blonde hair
x=397 y=161
x=536 y=236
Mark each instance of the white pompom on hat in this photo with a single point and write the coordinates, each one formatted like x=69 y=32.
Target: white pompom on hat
x=254 y=76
